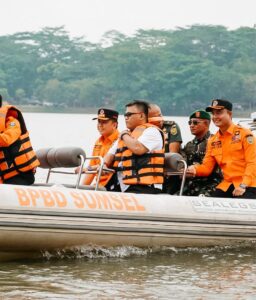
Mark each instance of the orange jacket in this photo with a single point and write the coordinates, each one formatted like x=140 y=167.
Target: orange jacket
x=235 y=153
x=140 y=169
x=101 y=147
x=16 y=152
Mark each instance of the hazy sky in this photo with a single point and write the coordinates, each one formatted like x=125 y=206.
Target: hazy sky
x=92 y=18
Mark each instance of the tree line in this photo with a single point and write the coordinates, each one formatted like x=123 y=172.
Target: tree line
x=180 y=69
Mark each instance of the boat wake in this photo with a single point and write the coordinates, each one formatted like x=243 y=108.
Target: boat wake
x=97 y=252
x=94 y=252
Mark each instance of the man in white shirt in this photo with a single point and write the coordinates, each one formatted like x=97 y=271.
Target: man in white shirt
x=138 y=155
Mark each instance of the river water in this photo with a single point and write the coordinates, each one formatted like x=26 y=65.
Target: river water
x=123 y=272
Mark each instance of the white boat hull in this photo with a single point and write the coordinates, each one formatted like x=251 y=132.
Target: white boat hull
x=38 y=219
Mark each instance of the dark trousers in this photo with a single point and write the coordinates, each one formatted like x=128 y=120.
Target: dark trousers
x=172 y=184
x=113 y=184
x=143 y=189
x=26 y=178
x=250 y=193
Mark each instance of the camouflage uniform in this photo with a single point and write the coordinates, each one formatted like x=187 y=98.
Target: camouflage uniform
x=194 y=152
x=172 y=134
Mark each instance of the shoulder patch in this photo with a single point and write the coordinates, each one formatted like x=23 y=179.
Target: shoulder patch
x=12 y=124
x=174 y=130
x=249 y=139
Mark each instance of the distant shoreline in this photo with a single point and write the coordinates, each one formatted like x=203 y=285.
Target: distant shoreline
x=93 y=110
x=46 y=109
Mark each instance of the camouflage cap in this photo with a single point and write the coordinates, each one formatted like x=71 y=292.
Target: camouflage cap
x=200 y=114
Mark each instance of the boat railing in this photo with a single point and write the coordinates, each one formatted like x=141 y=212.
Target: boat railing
x=176 y=165
x=98 y=170
x=65 y=157
x=55 y=159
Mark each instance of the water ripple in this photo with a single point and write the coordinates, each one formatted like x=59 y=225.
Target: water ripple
x=130 y=272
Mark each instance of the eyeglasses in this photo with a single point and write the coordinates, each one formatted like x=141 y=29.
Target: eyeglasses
x=194 y=122
x=128 y=114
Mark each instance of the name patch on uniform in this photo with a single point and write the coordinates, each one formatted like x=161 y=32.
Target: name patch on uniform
x=216 y=144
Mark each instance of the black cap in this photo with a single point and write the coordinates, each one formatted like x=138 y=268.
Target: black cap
x=106 y=114
x=200 y=114
x=220 y=104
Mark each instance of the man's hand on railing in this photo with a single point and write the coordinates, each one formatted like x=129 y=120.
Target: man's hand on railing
x=77 y=170
x=191 y=171
x=88 y=170
x=95 y=169
x=107 y=170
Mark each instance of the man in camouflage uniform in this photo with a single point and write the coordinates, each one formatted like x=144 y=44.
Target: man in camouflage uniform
x=173 y=142
x=194 y=152
x=171 y=129
x=173 y=138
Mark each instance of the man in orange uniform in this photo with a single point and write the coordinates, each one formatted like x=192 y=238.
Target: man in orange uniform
x=233 y=148
x=17 y=158
x=107 y=127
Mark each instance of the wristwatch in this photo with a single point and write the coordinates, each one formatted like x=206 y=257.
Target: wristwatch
x=124 y=133
x=243 y=186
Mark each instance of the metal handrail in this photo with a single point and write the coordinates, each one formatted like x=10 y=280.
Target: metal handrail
x=183 y=176
x=99 y=170
x=81 y=171
x=183 y=173
x=50 y=171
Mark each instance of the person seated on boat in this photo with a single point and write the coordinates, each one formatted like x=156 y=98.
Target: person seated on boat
x=173 y=141
x=138 y=155
x=233 y=148
x=194 y=152
x=107 y=123
x=171 y=129
x=18 y=160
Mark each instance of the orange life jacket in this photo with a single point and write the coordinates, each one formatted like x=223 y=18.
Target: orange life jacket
x=140 y=169
x=19 y=156
x=101 y=147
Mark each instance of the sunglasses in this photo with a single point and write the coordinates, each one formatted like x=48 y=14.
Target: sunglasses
x=128 y=114
x=194 y=122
